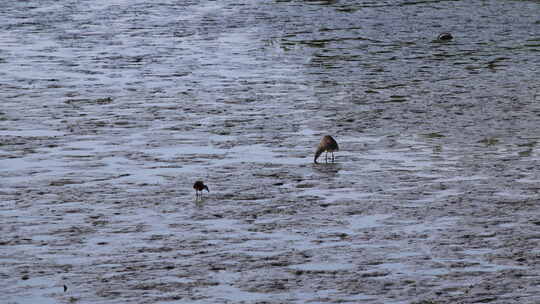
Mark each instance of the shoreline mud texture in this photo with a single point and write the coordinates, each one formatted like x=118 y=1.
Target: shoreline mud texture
x=111 y=110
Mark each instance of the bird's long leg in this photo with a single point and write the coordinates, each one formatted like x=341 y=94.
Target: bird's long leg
x=326 y=156
x=332 y=156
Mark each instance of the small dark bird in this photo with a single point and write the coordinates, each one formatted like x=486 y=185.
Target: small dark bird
x=199 y=186
x=445 y=37
x=327 y=144
x=65 y=288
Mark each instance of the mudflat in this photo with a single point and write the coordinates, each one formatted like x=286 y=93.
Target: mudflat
x=110 y=111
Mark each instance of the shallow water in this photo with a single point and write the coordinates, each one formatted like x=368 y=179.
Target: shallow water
x=110 y=110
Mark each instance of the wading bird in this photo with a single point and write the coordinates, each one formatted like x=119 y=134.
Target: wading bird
x=327 y=144
x=199 y=186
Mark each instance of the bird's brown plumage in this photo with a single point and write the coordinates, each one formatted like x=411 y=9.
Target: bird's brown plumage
x=327 y=144
x=200 y=186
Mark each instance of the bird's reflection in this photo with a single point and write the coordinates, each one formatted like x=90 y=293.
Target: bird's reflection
x=328 y=169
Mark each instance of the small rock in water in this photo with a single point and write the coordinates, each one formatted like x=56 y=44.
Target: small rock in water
x=445 y=36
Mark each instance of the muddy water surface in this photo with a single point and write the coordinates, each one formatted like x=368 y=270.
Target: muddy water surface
x=110 y=110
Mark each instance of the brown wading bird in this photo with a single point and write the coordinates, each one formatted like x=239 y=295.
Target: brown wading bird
x=199 y=186
x=327 y=144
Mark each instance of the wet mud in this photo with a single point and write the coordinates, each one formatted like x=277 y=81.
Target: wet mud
x=111 y=110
